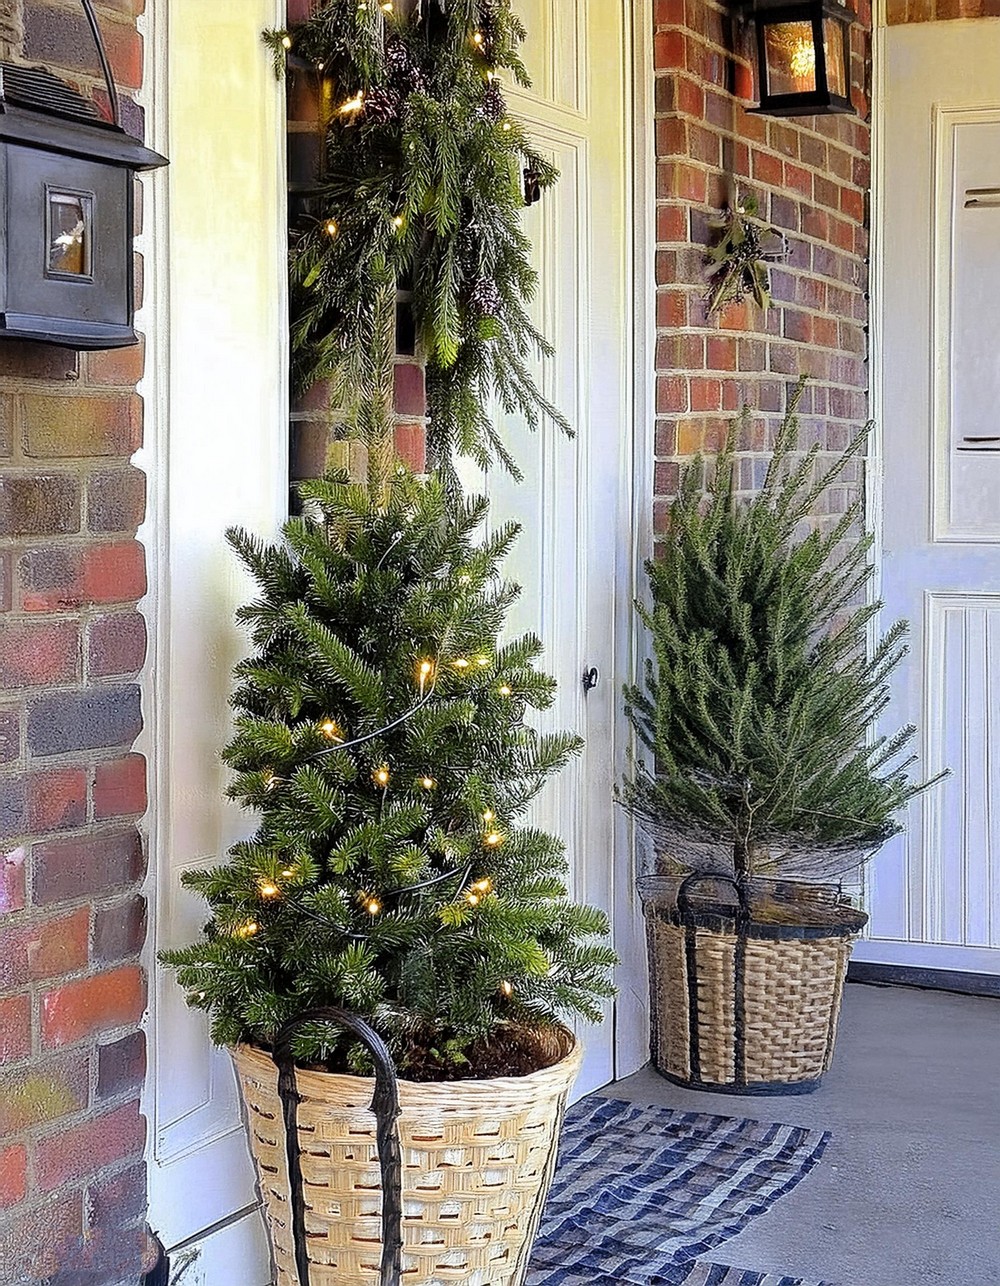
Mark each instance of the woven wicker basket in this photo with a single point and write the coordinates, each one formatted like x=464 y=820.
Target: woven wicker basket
x=478 y=1159
x=746 y=997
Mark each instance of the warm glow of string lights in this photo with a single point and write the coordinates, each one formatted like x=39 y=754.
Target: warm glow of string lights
x=493 y=839
x=332 y=730
x=373 y=906
x=398 y=222
x=425 y=673
x=381 y=775
x=506 y=690
x=248 y=930
x=462 y=663
x=352 y=105
x=332 y=227
x=428 y=783
x=489 y=816
x=484 y=885
x=507 y=988
x=482 y=661
x=288 y=872
x=286 y=42
x=269 y=890
x=472 y=897
x=507 y=127
x=477 y=38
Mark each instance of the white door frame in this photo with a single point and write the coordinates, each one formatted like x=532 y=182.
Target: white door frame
x=215 y=453
x=631 y=1040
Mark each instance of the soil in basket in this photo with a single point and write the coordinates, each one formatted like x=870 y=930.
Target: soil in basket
x=514 y=1051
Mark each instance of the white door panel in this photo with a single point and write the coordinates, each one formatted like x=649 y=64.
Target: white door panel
x=569 y=505
x=934 y=892
x=235 y=1253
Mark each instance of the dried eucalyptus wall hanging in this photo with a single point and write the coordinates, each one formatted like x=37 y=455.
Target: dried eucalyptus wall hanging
x=424 y=180
x=737 y=265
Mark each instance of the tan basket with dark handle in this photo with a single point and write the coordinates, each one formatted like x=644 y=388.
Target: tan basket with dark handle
x=477 y=1160
x=746 y=994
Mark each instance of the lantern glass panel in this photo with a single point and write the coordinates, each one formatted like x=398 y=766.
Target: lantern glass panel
x=70 y=234
x=833 y=46
x=791 y=58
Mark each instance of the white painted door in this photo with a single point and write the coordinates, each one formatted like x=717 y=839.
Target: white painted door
x=216 y=454
x=575 y=503
x=935 y=892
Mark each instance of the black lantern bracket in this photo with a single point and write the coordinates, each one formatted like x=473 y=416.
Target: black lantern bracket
x=67 y=221
x=803 y=56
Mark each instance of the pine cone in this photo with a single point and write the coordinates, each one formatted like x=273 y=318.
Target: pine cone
x=488 y=22
x=485 y=297
x=398 y=60
x=382 y=106
x=493 y=107
x=403 y=69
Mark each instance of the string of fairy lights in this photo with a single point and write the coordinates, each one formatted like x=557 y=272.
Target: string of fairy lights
x=356 y=103
x=472 y=892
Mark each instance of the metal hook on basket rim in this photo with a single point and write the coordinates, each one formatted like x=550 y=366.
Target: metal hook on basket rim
x=385 y=1106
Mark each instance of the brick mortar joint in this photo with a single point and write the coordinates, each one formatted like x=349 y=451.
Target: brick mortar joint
x=792 y=193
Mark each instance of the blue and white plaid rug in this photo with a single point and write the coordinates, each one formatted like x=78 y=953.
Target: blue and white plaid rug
x=641 y=1194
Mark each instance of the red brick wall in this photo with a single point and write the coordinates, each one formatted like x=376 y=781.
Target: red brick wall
x=72 y=920
x=811 y=178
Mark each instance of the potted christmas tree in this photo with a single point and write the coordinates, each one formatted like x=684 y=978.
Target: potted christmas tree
x=765 y=785
x=381 y=737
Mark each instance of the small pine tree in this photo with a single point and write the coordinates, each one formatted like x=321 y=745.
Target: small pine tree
x=381 y=737
x=761 y=696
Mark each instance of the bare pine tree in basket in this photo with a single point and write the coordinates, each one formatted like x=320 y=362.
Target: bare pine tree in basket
x=764 y=775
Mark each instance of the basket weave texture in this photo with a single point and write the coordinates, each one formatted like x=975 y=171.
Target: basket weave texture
x=783 y=1016
x=478 y=1159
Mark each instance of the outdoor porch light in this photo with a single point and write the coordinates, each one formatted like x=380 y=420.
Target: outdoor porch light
x=803 y=57
x=66 y=210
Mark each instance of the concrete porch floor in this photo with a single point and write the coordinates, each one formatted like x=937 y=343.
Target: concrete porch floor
x=908 y=1190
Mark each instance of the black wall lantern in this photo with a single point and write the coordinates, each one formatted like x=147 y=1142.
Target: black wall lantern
x=67 y=182
x=803 y=57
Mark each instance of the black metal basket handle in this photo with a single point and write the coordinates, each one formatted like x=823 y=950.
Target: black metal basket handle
x=741 y=909
x=102 y=53
x=385 y=1105
x=741 y=916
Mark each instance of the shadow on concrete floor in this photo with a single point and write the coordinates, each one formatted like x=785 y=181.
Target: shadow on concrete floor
x=908 y=1193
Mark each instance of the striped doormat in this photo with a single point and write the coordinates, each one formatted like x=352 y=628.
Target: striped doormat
x=717 y=1275
x=642 y=1194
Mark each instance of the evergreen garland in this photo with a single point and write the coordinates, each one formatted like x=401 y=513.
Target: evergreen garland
x=381 y=736
x=423 y=190
x=761 y=696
